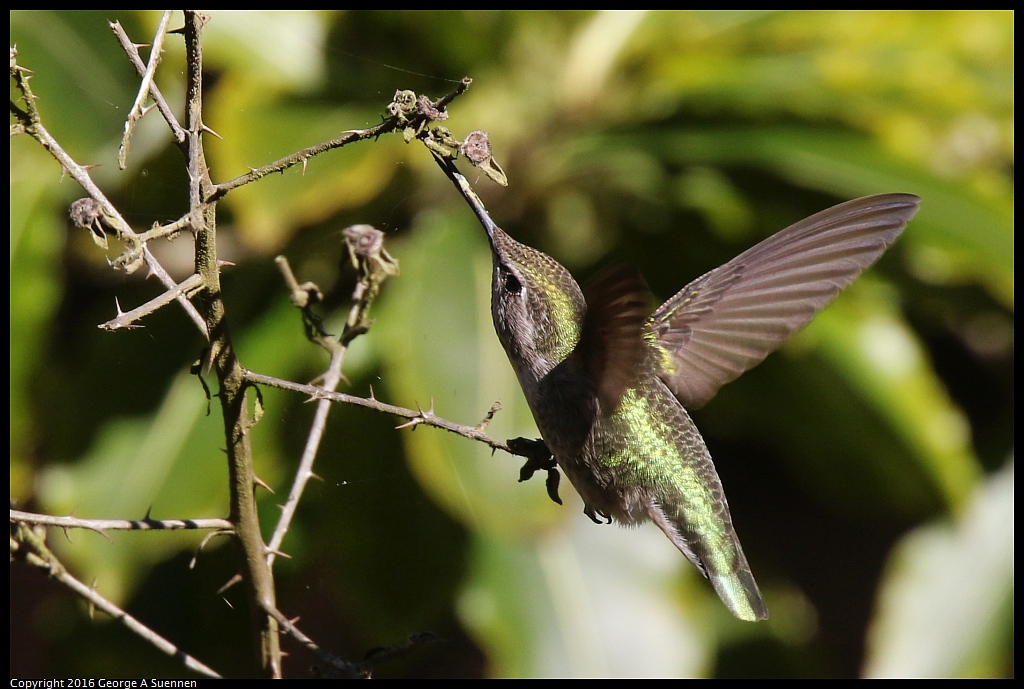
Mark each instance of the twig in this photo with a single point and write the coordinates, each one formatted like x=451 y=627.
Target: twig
x=242 y=480
x=102 y=525
x=416 y=416
x=138 y=107
x=339 y=668
x=29 y=117
x=305 y=470
x=31 y=548
x=411 y=116
x=154 y=91
x=347 y=137
x=185 y=222
x=126 y=318
x=366 y=247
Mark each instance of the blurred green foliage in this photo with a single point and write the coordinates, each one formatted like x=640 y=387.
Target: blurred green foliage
x=869 y=463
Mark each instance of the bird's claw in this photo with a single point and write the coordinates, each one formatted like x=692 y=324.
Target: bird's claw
x=538 y=458
x=597 y=515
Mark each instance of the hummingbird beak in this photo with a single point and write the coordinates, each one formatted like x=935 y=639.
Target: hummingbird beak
x=462 y=184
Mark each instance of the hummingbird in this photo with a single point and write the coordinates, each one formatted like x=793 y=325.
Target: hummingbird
x=609 y=383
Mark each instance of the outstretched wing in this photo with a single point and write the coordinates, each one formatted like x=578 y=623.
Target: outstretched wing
x=611 y=346
x=730 y=319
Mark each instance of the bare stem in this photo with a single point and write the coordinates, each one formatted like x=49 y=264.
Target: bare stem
x=365 y=244
x=31 y=548
x=126 y=319
x=237 y=420
x=233 y=379
x=351 y=136
x=339 y=667
x=103 y=525
x=30 y=120
x=154 y=91
x=416 y=417
x=305 y=471
x=139 y=107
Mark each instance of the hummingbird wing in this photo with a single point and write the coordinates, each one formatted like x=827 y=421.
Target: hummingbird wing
x=728 y=320
x=611 y=346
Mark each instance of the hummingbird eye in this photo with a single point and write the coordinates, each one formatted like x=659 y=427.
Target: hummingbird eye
x=512 y=284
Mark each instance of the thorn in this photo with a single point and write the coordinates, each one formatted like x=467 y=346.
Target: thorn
x=316 y=476
x=421 y=416
x=263 y=484
x=148 y=512
x=304 y=161
x=415 y=421
x=226 y=263
x=372 y=396
x=279 y=553
x=206 y=129
x=230 y=582
x=319 y=394
x=118 y=305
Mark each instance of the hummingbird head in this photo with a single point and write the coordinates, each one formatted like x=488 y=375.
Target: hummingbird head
x=536 y=305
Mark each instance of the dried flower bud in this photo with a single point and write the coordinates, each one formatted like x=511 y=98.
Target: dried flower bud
x=477 y=149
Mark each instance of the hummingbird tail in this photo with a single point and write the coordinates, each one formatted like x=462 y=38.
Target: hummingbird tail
x=719 y=559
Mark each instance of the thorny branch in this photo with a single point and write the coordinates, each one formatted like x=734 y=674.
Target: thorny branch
x=139 y=107
x=393 y=123
x=409 y=114
x=375 y=265
x=223 y=360
x=416 y=417
x=339 y=668
x=125 y=319
x=30 y=547
x=104 y=525
x=29 y=119
x=165 y=110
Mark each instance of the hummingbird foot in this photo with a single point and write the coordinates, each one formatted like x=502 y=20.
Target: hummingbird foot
x=597 y=516
x=538 y=458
